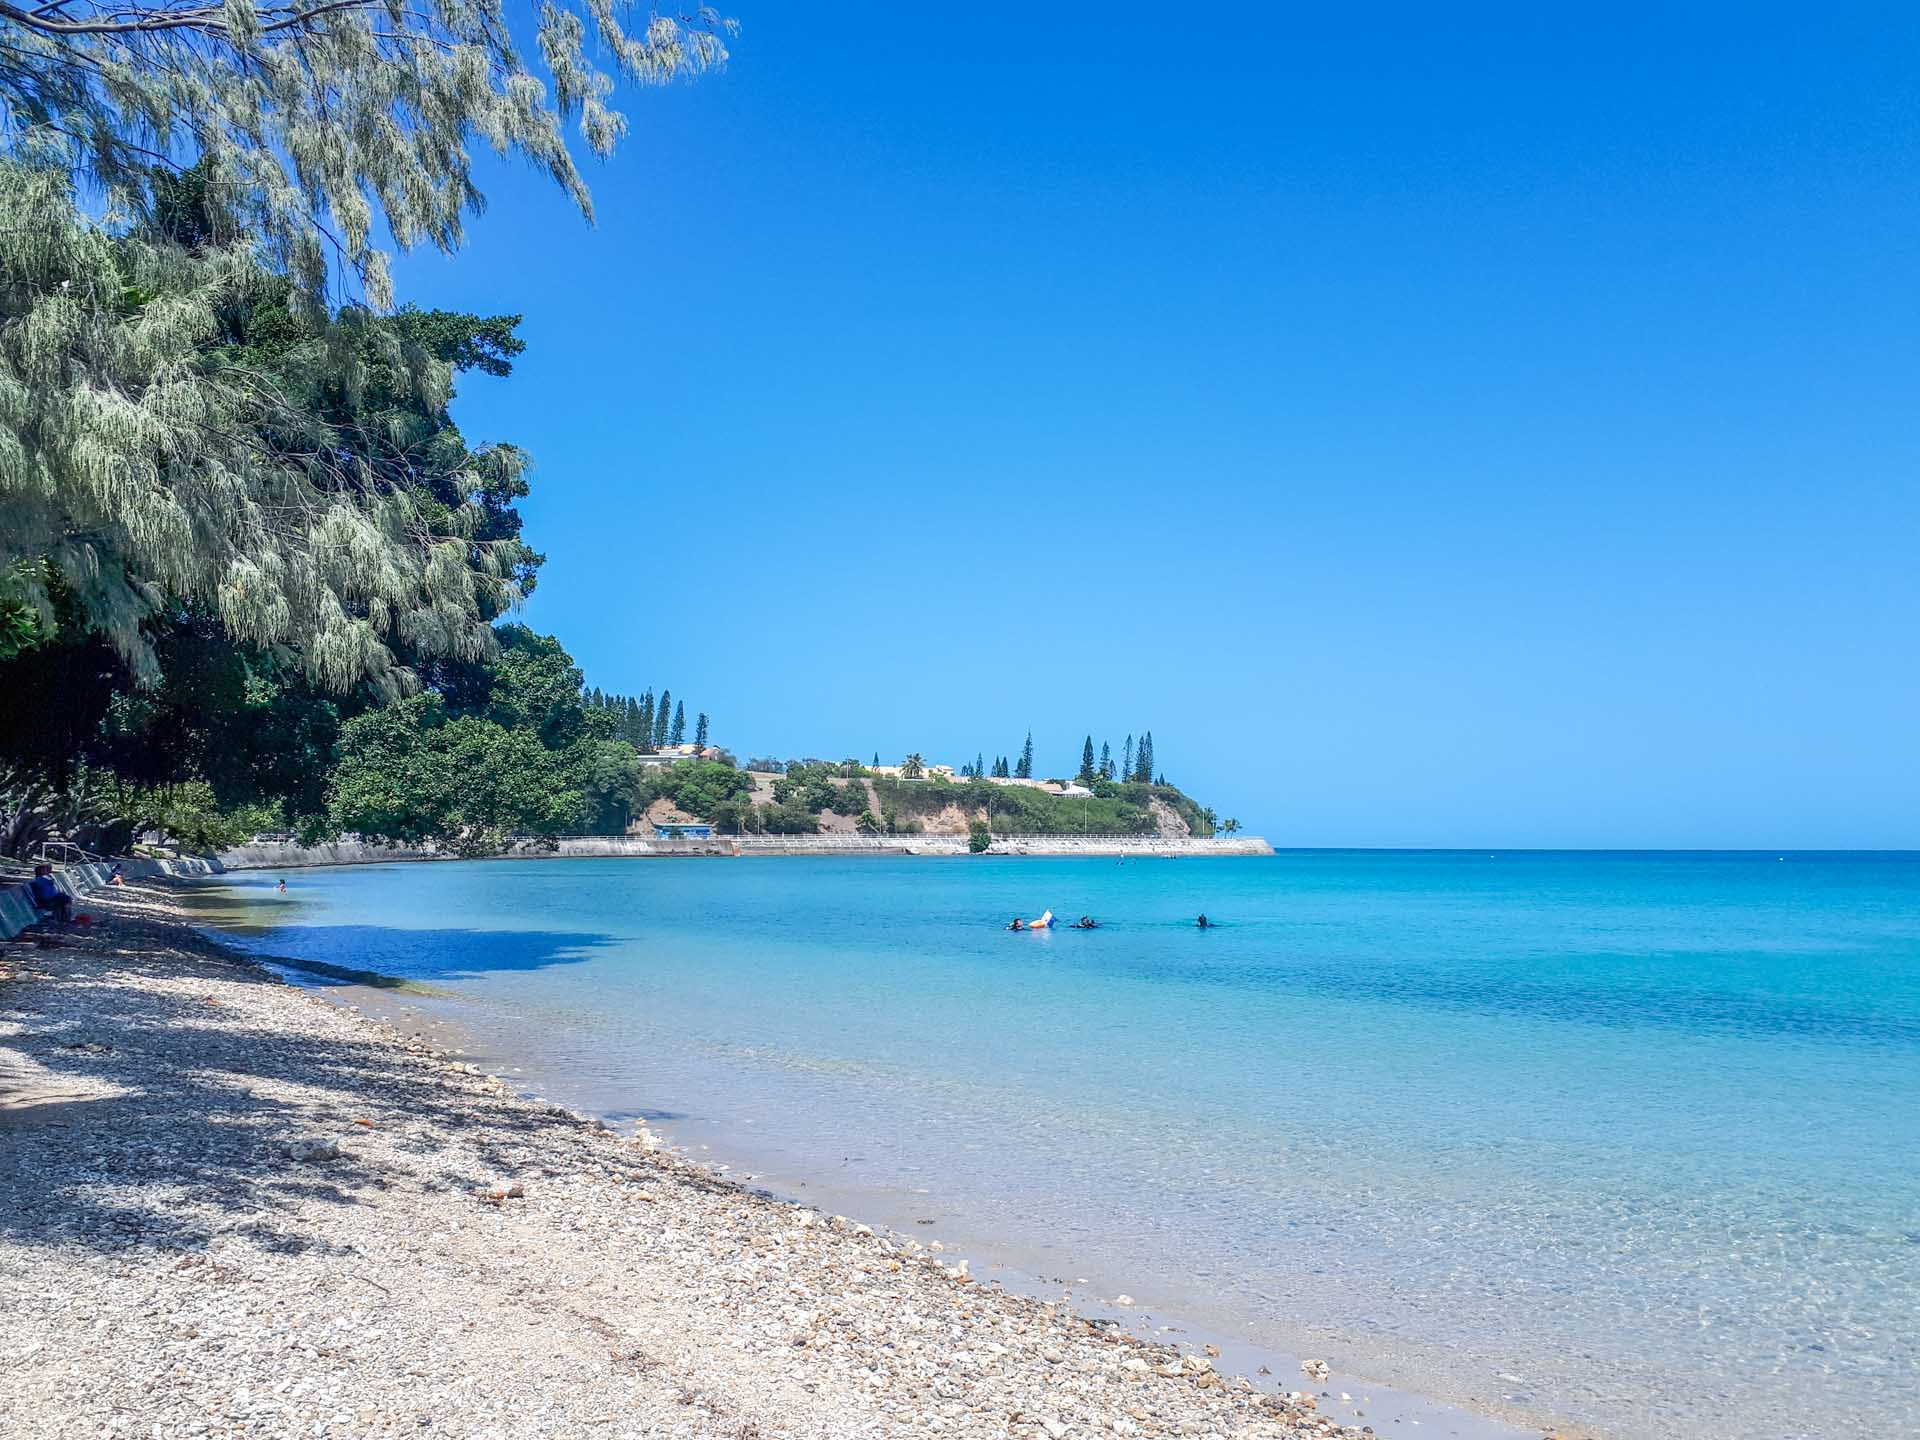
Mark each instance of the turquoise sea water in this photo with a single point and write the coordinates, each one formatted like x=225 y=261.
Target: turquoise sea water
x=1627 y=1139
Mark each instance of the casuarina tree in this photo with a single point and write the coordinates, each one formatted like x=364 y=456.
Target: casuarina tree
x=327 y=129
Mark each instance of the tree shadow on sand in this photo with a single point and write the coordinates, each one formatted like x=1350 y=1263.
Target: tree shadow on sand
x=134 y=1116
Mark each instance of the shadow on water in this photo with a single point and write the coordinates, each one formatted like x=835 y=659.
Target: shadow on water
x=425 y=955
x=390 y=957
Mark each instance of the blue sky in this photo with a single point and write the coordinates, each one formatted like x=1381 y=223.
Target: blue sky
x=1440 y=427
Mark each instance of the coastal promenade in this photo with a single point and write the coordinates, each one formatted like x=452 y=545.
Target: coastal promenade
x=237 y=1209
x=282 y=855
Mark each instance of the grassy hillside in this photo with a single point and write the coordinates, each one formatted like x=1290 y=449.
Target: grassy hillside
x=1114 y=808
x=846 y=797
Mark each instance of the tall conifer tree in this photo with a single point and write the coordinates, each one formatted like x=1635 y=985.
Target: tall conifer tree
x=662 y=718
x=1025 y=768
x=677 y=733
x=1087 y=771
x=1106 y=761
x=700 y=732
x=1126 y=761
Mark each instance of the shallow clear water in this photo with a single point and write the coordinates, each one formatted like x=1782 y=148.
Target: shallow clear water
x=1631 y=1140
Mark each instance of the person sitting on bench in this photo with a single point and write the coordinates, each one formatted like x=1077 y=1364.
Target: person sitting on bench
x=48 y=895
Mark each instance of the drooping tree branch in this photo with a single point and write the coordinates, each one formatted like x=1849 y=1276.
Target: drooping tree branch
x=353 y=114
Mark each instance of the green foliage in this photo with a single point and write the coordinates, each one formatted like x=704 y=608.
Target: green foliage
x=170 y=435
x=790 y=818
x=190 y=815
x=809 y=785
x=410 y=773
x=1018 y=810
x=698 y=787
x=733 y=817
x=1113 y=808
x=466 y=342
x=611 y=783
x=536 y=686
x=360 y=113
x=979 y=838
x=849 y=799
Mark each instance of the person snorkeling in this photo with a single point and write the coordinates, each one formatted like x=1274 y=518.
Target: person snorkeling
x=1086 y=922
x=1203 y=923
x=1016 y=923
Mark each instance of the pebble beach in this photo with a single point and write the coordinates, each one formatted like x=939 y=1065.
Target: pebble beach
x=233 y=1208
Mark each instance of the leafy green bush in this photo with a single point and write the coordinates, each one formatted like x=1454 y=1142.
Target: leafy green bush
x=409 y=773
x=698 y=786
x=791 y=818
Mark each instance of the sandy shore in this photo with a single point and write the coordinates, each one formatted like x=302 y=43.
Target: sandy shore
x=232 y=1208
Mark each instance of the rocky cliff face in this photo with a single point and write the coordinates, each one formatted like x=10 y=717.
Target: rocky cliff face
x=1167 y=822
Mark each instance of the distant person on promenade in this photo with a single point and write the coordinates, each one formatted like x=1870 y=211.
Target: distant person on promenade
x=114 y=877
x=48 y=895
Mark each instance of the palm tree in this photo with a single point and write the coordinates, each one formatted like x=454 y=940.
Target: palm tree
x=914 y=767
x=1230 y=826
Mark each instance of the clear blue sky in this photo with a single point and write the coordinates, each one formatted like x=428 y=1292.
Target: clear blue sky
x=1439 y=425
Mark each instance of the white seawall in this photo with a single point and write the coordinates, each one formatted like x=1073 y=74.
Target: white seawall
x=276 y=855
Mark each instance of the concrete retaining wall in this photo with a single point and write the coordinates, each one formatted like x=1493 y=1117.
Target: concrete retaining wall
x=281 y=855
x=17 y=910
